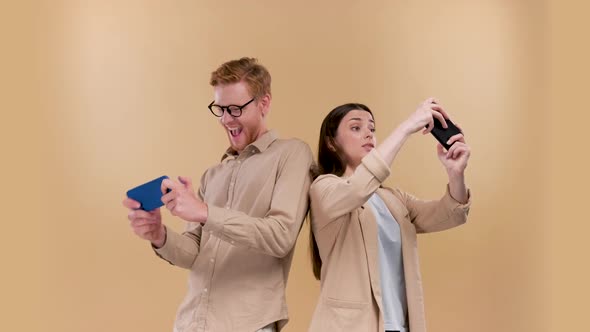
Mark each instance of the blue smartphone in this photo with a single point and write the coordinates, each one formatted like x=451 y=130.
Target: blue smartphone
x=149 y=194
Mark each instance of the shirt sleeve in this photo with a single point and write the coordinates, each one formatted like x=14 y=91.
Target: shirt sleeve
x=182 y=249
x=274 y=234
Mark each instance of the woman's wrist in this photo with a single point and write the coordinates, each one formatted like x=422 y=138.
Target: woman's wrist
x=403 y=130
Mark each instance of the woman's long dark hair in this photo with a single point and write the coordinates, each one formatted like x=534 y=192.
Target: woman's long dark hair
x=329 y=162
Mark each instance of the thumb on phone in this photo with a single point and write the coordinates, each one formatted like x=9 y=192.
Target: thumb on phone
x=186 y=181
x=168 y=185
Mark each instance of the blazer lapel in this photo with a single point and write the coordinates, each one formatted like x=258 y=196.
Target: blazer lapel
x=369 y=232
x=397 y=210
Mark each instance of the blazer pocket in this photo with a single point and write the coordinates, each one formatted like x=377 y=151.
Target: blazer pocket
x=341 y=315
x=345 y=304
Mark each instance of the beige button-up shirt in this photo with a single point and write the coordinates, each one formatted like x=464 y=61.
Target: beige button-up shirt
x=239 y=259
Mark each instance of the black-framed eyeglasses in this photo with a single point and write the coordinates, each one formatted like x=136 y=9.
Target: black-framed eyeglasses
x=233 y=110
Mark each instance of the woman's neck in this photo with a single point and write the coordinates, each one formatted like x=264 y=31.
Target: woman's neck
x=349 y=170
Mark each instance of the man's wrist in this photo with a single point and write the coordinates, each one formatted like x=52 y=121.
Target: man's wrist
x=161 y=242
x=204 y=215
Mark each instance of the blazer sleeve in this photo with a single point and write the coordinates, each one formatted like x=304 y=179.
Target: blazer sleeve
x=435 y=215
x=332 y=196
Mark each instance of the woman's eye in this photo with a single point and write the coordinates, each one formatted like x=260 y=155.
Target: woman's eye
x=373 y=130
x=355 y=128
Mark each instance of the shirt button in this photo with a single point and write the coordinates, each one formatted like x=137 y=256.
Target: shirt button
x=239 y=161
x=232 y=242
x=205 y=290
x=212 y=260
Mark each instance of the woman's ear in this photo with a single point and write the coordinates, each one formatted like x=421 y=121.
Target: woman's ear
x=330 y=143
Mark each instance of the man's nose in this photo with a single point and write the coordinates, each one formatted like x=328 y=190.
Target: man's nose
x=225 y=117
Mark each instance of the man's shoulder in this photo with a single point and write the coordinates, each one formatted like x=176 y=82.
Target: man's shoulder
x=291 y=143
x=292 y=148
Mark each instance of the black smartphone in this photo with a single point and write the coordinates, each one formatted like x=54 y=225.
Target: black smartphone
x=444 y=134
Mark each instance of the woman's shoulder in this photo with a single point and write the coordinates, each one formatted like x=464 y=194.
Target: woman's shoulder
x=327 y=178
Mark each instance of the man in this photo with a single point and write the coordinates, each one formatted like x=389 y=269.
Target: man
x=244 y=219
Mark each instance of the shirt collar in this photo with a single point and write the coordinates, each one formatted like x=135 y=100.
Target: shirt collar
x=259 y=145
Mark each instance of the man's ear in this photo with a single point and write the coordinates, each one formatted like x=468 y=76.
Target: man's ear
x=264 y=103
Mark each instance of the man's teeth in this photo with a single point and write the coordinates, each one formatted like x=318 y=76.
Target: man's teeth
x=235 y=132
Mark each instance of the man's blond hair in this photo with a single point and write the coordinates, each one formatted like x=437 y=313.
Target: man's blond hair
x=247 y=70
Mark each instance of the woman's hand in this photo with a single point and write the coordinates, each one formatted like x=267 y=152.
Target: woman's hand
x=455 y=159
x=424 y=116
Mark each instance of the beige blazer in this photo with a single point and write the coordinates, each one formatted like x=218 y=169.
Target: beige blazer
x=345 y=230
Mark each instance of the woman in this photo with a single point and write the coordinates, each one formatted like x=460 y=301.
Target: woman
x=365 y=250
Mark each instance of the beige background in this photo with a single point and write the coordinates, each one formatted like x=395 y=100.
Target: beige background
x=99 y=96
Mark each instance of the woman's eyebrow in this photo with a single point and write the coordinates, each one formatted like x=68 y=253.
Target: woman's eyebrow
x=359 y=119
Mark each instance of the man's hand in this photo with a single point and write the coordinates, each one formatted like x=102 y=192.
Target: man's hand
x=182 y=201
x=146 y=224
